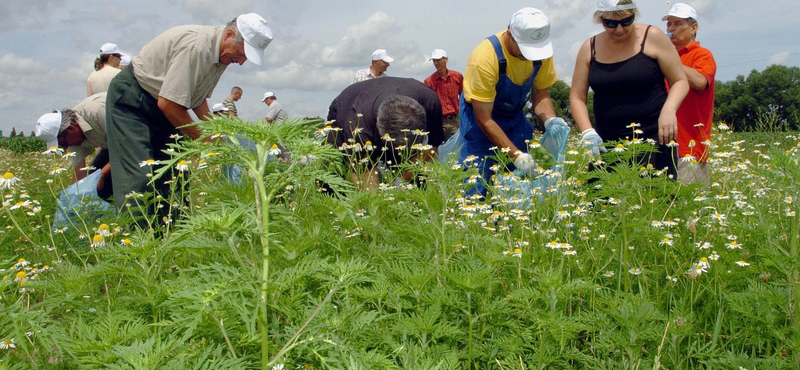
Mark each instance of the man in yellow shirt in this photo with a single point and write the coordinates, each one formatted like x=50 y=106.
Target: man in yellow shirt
x=500 y=73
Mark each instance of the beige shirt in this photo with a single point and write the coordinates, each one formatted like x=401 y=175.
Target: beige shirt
x=181 y=64
x=92 y=121
x=99 y=80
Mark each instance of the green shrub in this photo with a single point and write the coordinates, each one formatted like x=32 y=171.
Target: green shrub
x=21 y=144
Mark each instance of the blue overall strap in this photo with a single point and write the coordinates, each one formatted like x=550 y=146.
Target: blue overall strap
x=536 y=65
x=498 y=49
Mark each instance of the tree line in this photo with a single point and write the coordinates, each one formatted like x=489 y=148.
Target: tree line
x=763 y=101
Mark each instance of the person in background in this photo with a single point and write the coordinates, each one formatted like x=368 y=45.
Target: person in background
x=106 y=66
x=363 y=114
x=380 y=62
x=80 y=130
x=500 y=73
x=696 y=113
x=448 y=85
x=275 y=112
x=230 y=101
x=149 y=102
x=124 y=61
x=626 y=66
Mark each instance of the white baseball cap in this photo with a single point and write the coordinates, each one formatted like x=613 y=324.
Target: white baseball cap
x=219 y=107
x=110 y=48
x=613 y=5
x=48 y=127
x=125 y=60
x=438 y=54
x=381 y=54
x=268 y=94
x=680 y=10
x=530 y=28
x=257 y=35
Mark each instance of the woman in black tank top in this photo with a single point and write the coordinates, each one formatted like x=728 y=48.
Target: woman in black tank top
x=626 y=67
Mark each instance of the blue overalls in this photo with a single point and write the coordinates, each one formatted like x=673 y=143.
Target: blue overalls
x=508 y=114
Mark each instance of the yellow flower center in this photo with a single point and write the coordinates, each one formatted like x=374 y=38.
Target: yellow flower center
x=8 y=176
x=97 y=239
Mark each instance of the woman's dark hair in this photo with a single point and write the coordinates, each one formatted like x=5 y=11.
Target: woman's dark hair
x=100 y=61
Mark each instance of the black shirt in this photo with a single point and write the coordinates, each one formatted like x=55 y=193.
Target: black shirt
x=365 y=97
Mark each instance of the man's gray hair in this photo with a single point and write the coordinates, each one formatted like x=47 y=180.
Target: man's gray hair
x=68 y=117
x=398 y=116
x=237 y=37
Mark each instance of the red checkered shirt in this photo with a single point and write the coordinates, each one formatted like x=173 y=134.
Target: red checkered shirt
x=448 y=89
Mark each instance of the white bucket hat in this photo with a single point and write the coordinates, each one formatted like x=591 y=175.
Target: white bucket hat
x=257 y=35
x=530 y=28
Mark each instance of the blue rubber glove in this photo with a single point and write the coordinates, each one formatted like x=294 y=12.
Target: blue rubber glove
x=593 y=141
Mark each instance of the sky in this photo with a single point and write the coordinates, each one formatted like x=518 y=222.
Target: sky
x=48 y=47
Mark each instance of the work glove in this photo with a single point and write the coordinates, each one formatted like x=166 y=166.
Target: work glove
x=525 y=163
x=554 y=121
x=593 y=141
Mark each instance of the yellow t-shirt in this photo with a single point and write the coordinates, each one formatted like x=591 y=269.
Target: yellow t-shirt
x=483 y=72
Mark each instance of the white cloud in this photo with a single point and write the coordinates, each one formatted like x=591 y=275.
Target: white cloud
x=298 y=76
x=779 y=58
x=361 y=39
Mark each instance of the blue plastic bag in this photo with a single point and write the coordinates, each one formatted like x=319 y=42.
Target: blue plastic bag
x=510 y=187
x=80 y=203
x=451 y=147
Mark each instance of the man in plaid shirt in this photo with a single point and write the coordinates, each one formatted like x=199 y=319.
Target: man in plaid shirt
x=448 y=85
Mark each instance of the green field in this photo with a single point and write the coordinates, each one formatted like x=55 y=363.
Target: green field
x=633 y=271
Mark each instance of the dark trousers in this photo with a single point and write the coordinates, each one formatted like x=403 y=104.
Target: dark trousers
x=99 y=161
x=137 y=131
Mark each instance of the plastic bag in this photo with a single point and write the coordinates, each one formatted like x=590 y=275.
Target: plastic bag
x=452 y=147
x=80 y=203
x=525 y=189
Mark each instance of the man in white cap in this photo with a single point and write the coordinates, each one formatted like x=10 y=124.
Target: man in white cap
x=275 y=112
x=448 y=85
x=380 y=62
x=149 y=102
x=80 y=130
x=697 y=110
x=500 y=73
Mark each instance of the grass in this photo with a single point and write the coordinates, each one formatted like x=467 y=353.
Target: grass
x=277 y=272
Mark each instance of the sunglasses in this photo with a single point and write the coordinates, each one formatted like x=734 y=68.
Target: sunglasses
x=625 y=22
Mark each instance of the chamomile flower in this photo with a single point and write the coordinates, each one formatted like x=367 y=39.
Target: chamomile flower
x=665 y=241
x=182 y=166
x=53 y=150
x=148 y=162
x=742 y=263
x=704 y=262
x=7 y=343
x=98 y=241
x=570 y=252
x=8 y=180
x=608 y=274
x=103 y=230
x=619 y=148
x=733 y=245
x=56 y=170
x=274 y=150
x=635 y=271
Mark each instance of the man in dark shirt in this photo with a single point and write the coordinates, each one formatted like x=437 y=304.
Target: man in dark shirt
x=401 y=115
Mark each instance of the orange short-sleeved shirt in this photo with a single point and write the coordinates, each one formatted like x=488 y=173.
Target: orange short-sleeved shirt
x=698 y=106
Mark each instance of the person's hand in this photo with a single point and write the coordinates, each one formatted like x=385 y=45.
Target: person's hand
x=555 y=121
x=525 y=163
x=101 y=181
x=667 y=128
x=593 y=141
x=307 y=159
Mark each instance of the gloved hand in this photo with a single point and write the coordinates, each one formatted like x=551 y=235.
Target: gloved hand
x=307 y=159
x=555 y=121
x=593 y=141
x=525 y=163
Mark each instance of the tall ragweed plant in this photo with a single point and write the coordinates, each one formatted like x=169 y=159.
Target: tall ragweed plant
x=272 y=156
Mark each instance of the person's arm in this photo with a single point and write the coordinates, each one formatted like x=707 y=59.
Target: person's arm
x=89 y=91
x=696 y=79
x=542 y=104
x=80 y=172
x=490 y=128
x=672 y=68
x=580 y=89
x=231 y=114
x=178 y=115
x=105 y=172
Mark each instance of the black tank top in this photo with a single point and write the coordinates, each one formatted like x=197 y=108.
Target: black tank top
x=633 y=90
